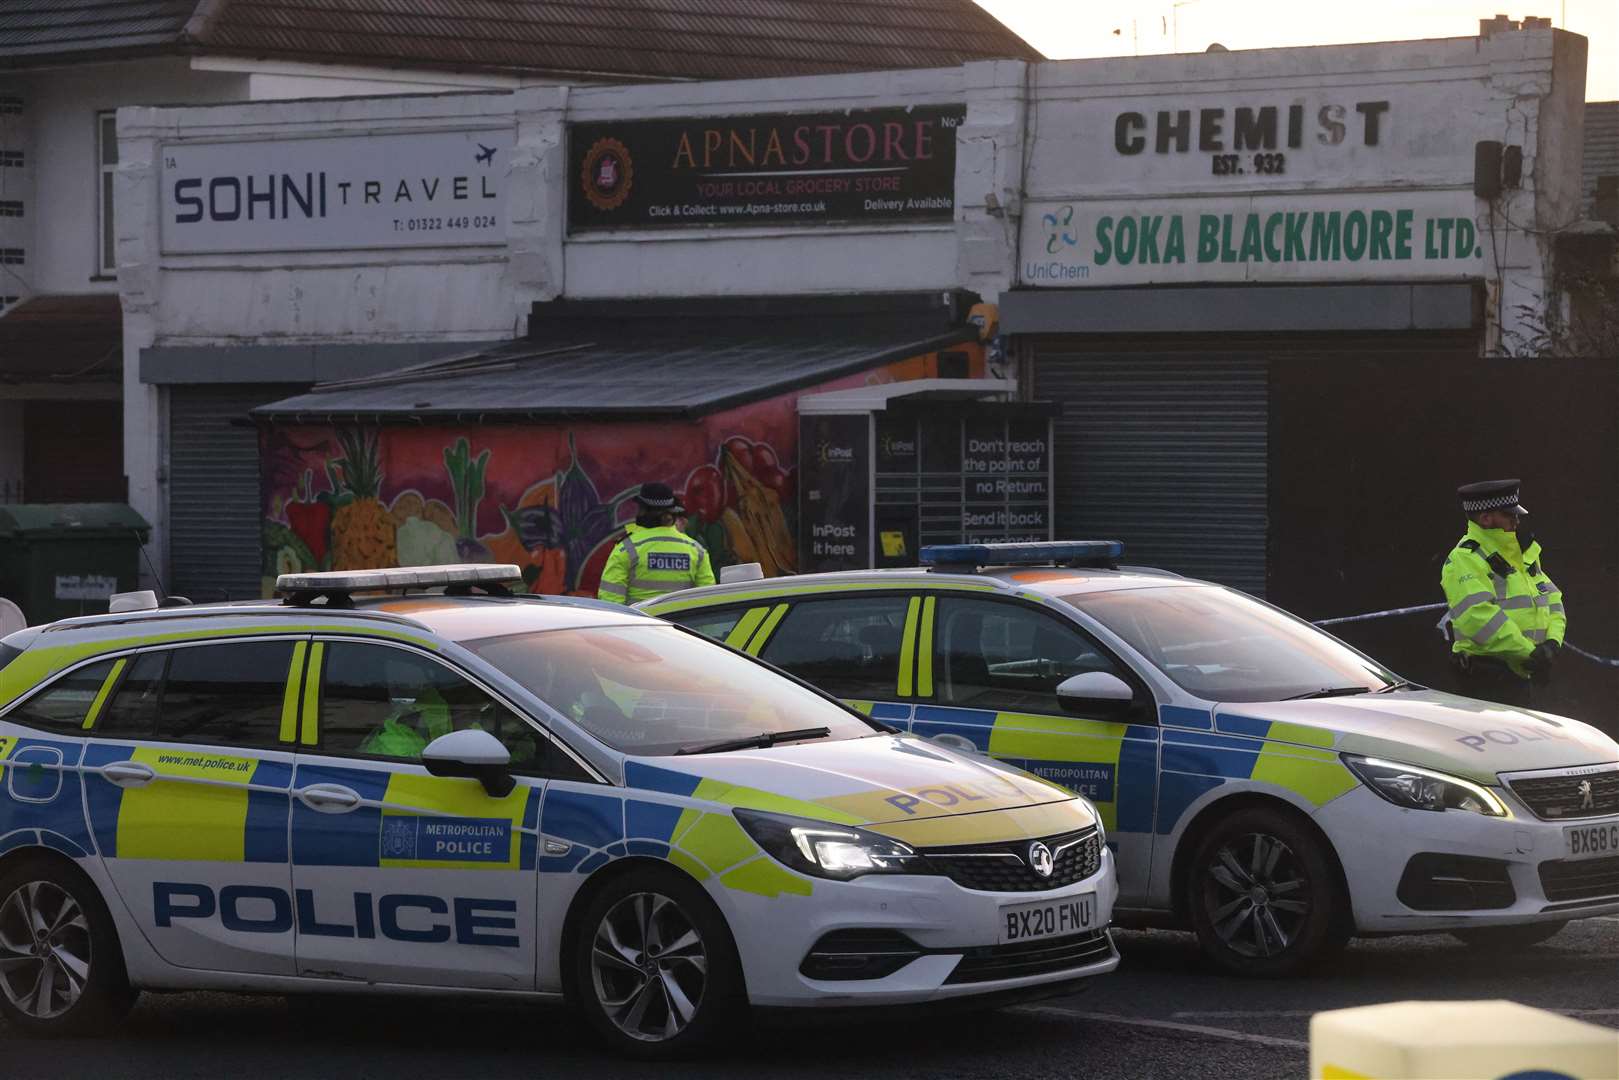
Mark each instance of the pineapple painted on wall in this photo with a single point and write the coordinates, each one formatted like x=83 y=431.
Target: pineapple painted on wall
x=364 y=533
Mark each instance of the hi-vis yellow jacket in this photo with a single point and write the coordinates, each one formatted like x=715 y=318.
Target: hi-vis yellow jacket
x=1502 y=604
x=651 y=562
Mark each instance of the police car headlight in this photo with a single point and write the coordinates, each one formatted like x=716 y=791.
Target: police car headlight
x=1423 y=789
x=822 y=849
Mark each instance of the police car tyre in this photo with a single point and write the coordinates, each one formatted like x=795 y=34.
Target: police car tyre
x=655 y=970
x=61 y=969
x=1508 y=937
x=1264 y=896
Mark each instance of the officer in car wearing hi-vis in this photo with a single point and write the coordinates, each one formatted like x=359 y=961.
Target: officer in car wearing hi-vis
x=1506 y=620
x=656 y=557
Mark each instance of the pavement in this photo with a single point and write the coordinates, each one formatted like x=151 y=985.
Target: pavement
x=1161 y=1016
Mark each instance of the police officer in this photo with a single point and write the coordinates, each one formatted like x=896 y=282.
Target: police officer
x=1506 y=620
x=655 y=557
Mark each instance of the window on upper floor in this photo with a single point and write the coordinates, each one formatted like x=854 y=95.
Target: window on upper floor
x=107 y=160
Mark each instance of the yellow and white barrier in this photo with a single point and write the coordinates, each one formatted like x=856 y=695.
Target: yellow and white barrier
x=1459 y=1040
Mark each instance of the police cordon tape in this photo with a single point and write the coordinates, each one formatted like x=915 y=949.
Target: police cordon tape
x=1606 y=661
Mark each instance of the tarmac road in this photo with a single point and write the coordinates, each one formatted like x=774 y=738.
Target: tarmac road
x=1160 y=1017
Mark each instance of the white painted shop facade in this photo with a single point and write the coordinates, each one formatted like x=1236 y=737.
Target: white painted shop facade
x=255 y=260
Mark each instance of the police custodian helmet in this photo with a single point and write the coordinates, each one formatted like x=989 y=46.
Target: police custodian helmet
x=1490 y=495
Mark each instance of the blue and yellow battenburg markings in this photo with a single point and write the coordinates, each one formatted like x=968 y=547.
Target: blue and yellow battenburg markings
x=410 y=821
x=1202 y=752
x=704 y=843
x=41 y=796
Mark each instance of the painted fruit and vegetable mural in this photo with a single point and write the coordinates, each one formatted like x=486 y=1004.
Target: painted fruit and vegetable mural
x=551 y=497
x=553 y=501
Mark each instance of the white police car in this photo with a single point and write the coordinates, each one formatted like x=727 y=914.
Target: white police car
x=1262 y=783
x=513 y=796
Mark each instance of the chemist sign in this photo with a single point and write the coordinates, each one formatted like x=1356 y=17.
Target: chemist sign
x=409 y=190
x=1344 y=236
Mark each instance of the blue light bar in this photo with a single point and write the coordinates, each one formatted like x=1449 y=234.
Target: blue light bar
x=1041 y=554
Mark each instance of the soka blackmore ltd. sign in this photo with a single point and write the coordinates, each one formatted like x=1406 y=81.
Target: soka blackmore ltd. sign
x=1351 y=184
x=416 y=189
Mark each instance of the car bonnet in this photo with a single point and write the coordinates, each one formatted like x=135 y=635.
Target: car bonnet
x=897 y=785
x=1468 y=738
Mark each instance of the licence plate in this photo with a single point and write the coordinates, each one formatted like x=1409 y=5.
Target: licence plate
x=1048 y=918
x=1591 y=841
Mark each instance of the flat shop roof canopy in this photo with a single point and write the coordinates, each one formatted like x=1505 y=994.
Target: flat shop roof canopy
x=635 y=359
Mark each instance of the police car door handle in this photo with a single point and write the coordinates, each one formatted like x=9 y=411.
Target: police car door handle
x=127 y=774
x=329 y=798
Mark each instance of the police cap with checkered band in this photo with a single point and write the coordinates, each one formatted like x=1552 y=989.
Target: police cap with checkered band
x=1490 y=495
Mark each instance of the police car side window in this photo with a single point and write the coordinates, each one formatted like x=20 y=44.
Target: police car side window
x=64 y=704
x=230 y=693
x=848 y=647
x=1005 y=656
x=132 y=712
x=378 y=701
x=709 y=623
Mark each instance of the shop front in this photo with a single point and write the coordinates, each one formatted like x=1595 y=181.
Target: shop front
x=532 y=452
x=1210 y=241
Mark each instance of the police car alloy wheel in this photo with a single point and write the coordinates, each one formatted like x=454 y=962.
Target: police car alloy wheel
x=1509 y=937
x=60 y=968
x=1263 y=898
x=655 y=970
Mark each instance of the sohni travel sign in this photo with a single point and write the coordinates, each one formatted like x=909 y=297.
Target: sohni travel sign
x=419 y=189
x=876 y=165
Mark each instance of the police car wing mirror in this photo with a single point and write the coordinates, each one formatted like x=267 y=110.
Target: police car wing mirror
x=474 y=754
x=1095 y=694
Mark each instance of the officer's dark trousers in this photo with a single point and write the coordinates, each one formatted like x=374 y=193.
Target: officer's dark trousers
x=1493 y=682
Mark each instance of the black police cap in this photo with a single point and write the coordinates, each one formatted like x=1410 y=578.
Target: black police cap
x=656 y=496
x=1490 y=495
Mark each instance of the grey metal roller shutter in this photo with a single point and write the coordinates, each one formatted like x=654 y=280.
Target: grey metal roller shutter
x=1166 y=452
x=215 y=521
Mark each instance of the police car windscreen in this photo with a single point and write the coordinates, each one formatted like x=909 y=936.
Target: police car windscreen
x=1223 y=646
x=657 y=690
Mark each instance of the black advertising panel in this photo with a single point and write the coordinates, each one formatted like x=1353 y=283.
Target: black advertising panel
x=834 y=508
x=867 y=165
x=981 y=474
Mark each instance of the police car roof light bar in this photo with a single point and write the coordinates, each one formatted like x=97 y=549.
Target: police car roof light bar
x=968 y=558
x=457 y=579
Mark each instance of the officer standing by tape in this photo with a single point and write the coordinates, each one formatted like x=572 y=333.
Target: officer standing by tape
x=655 y=557
x=1506 y=620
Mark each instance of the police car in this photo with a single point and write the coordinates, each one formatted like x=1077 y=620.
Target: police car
x=1262 y=783
x=462 y=790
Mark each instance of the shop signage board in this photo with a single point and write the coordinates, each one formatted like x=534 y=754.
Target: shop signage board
x=408 y=190
x=1260 y=237
x=884 y=166
x=1371 y=181
x=1412 y=134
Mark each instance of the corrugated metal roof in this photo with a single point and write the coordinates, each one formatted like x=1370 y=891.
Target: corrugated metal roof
x=622 y=39
x=646 y=370
x=63 y=339
x=1601 y=157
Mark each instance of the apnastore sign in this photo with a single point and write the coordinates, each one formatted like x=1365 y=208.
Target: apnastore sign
x=1345 y=236
x=411 y=190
